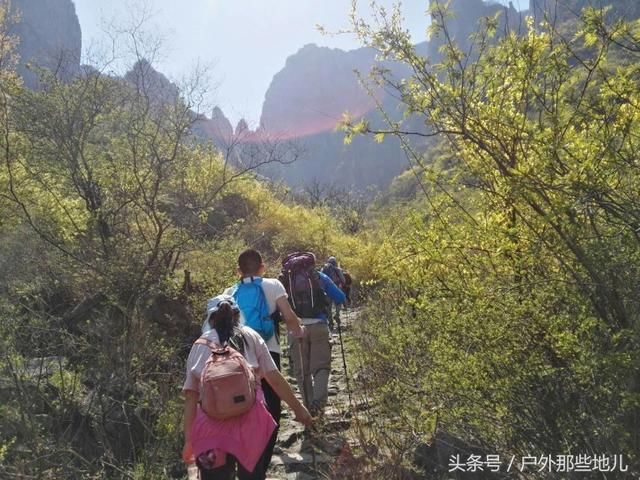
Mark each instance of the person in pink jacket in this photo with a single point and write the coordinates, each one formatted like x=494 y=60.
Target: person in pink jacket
x=218 y=447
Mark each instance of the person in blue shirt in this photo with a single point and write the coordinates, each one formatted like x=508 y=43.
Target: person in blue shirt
x=336 y=274
x=311 y=354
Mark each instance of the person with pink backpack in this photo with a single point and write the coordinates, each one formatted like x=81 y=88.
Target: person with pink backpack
x=226 y=422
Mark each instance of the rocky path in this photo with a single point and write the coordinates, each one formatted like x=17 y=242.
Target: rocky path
x=325 y=452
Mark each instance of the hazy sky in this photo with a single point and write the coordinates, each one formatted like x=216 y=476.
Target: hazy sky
x=245 y=41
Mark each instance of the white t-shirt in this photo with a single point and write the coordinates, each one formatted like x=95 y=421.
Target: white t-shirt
x=255 y=352
x=273 y=290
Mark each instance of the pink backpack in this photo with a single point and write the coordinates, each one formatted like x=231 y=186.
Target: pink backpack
x=227 y=383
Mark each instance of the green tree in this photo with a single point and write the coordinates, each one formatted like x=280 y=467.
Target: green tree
x=108 y=195
x=516 y=279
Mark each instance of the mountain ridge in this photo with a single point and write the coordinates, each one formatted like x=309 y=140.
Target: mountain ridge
x=306 y=98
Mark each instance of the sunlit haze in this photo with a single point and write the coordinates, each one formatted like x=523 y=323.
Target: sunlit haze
x=245 y=42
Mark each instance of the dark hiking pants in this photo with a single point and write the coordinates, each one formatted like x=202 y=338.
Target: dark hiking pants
x=274 y=405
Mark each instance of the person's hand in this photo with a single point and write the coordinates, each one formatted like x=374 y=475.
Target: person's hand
x=303 y=416
x=298 y=333
x=187 y=453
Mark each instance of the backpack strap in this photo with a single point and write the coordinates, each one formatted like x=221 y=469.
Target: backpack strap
x=292 y=297
x=238 y=342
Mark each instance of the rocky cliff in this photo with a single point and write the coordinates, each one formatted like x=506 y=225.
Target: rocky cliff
x=315 y=87
x=307 y=99
x=160 y=90
x=152 y=83
x=49 y=36
x=217 y=128
x=566 y=10
x=463 y=17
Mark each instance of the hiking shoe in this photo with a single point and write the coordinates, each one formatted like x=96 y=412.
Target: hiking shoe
x=316 y=410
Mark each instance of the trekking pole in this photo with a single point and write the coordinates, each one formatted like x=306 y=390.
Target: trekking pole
x=344 y=358
x=305 y=396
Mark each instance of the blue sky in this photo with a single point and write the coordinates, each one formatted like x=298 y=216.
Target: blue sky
x=244 y=42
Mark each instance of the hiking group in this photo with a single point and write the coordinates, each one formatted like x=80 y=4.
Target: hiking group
x=233 y=387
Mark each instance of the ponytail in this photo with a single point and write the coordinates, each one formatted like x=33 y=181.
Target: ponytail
x=225 y=321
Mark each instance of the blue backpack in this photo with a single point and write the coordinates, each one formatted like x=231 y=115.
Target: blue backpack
x=250 y=298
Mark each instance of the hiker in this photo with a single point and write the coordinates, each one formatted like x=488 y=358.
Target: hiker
x=334 y=272
x=308 y=290
x=262 y=302
x=217 y=438
x=348 y=281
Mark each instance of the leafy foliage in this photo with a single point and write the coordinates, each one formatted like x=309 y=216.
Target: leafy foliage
x=513 y=276
x=117 y=224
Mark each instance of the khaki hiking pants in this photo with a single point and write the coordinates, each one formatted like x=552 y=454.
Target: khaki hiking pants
x=316 y=359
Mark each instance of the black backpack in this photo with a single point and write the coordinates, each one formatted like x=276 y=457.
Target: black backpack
x=300 y=279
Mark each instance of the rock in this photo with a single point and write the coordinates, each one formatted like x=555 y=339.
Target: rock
x=333 y=412
x=330 y=445
x=336 y=426
x=300 y=476
x=464 y=21
x=241 y=128
x=297 y=461
x=307 y=99
x=361 y=405
x=287 y=438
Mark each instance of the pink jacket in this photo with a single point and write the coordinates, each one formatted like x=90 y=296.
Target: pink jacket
x=245 y=437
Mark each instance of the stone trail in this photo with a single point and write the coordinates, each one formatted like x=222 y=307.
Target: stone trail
x=330 y=443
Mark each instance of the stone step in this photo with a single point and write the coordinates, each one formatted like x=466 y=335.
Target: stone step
x=301 y=458
x=295 y=476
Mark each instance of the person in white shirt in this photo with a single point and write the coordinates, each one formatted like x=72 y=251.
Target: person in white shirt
x=251 y=268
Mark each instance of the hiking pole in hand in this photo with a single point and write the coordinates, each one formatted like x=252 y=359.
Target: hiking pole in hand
x=308 y=430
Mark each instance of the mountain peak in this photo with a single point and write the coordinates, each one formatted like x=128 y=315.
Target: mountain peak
x=49 y=37
x=156 y=85
x=241 y=127
x=315 y=87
